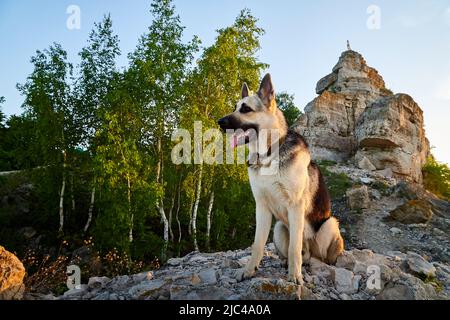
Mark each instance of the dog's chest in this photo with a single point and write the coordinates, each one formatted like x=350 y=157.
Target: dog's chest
x=269 y=192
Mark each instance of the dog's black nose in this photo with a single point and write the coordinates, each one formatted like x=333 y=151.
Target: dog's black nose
x=223 y=123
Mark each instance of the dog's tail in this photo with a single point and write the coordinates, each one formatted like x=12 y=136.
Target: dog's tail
x=328 y=242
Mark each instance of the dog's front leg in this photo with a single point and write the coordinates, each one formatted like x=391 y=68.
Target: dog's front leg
x=296 y=216
x=263 y=224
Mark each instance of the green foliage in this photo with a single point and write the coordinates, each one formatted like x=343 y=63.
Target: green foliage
x=2 y=115
x=380 y=186
x=100 y=131
x=285 y=102
x=436 y=178
x=337 y=183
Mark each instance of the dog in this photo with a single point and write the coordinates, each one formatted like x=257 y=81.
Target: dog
x=296 y=194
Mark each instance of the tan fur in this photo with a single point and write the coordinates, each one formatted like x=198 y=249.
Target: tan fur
x=288 y=195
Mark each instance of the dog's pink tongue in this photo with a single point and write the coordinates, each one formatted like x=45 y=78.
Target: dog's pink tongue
x=233 y=141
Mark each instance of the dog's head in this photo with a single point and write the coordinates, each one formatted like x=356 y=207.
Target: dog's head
x=253 y=113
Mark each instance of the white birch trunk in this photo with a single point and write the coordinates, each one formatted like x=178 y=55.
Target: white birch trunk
x=61 y=204
x=178 y=211
x=170 y=218
x=130 y=213
x=209 y=219
x=91 y=209
x=196 y=204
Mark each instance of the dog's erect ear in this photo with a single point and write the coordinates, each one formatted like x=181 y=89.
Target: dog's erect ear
x=266 y=91
x=245 y=91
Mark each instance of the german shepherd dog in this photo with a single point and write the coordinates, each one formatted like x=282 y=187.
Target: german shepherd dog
x=296 y=194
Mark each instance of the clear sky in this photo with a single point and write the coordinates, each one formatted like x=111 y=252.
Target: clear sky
x=303 y=41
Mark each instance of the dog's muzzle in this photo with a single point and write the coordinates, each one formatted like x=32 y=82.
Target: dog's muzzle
x=224 y=123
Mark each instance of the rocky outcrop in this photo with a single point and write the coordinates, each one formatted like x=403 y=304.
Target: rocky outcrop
x=12 y=273
x=358 y=274
x=356 y=118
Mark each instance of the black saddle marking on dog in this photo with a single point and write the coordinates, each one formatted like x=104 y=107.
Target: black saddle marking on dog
x=321 y=208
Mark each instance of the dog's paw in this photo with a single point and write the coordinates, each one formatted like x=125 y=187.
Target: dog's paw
x=296 y=278
x=243 y=274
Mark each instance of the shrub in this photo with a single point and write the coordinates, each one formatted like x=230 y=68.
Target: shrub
x=436 y=178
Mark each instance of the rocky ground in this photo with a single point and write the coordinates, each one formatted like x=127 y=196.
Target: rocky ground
x=385 y=223
x=211 y=276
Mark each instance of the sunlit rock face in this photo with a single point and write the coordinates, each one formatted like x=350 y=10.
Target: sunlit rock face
x=12 y=273
x=355 y=116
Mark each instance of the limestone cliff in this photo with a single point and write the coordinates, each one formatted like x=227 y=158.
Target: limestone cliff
x=355 y=118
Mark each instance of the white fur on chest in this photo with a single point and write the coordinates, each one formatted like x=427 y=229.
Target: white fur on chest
x=279 y=192
x=268 y=195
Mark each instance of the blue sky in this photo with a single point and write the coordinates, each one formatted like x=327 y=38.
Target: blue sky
x=302 y=43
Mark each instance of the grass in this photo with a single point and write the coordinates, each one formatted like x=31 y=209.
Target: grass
x=380 y=186
x=338 y=183
x=438 y=286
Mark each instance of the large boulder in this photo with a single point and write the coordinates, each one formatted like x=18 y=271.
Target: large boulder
x=12 y=273
x=356 y=118
x=413 y=211
x=390 y=134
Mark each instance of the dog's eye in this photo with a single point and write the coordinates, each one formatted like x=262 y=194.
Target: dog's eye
x=245 y=109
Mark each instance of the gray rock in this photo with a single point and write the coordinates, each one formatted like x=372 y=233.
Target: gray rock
x=175 y=261
x=346 y=260
x=76 y=292
x=365 y=164
x=103 y=296
x=418 y=265
x=98 y=282
x=386 y=173
x=147 y=288
x=413 y=212
x=395 y=231
x=209 y=276
x=345 y=281
x=358 y=198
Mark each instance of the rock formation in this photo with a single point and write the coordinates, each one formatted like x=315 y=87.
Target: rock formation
x=12 y=273
x=356 y=118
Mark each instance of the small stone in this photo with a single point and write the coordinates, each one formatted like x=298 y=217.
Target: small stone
x=320 y=269
x=146 y=288
x=419 y=265
x=397 y=255
x=346 y=260
x=98 y=282
x=395 y=231
x=366 y=180
x=386 y=173
x=76 y=291
x=358 y=198
x=174 y=262
x=143 y=276
x=243 y=261
x=344 y=296
x=413 y=212
x=365 y=164
x=209 y=276
x=345 y=281
x=102 y=296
